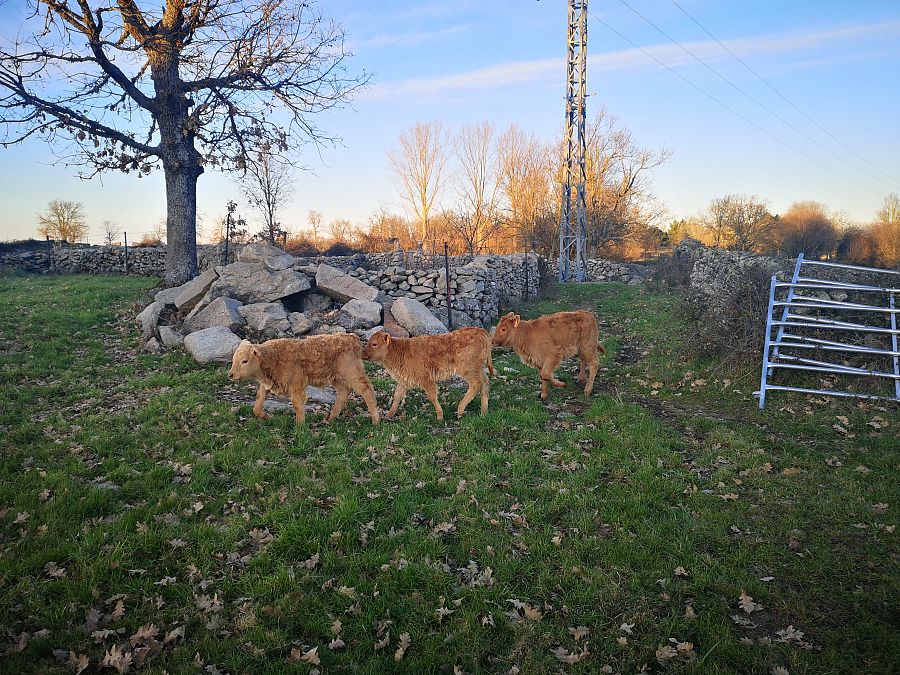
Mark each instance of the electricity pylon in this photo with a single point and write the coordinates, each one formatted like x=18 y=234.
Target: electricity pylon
x=573 y=213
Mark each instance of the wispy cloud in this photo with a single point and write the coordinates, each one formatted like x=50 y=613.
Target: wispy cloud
x=406 y=39
x=533 y=71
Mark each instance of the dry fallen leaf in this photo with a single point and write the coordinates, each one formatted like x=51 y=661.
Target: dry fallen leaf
x=311 y=656
x=381 y=644
x=405 y=642
x=626 y=628
x=746 y=603
x=580 y=633
x=336 y=644
x=681 y=572
x=564 y=656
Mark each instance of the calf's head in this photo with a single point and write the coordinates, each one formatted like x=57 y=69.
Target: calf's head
x=245 y=362
x=505 y=330
x=377 y=347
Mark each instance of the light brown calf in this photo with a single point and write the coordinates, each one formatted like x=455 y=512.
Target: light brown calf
x=544 y=342
x=286 y=366
x=422 y=362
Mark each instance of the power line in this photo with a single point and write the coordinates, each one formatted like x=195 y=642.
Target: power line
x=756 y=101
x=783 y=97
x=732 y=110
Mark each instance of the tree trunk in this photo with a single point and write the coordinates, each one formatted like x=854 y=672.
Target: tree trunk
x=181 y=224
x=181 y=165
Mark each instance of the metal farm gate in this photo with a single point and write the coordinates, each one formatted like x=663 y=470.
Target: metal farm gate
x=806 y=313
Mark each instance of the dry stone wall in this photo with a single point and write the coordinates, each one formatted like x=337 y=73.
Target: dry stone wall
x=148 y=262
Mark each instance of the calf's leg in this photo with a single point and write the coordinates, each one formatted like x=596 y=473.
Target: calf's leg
x=298 y=400
x=485 y=388
x=431 y=392
x=399 y=395
x=343 y=392
x=474 y=384
x=364 y=388
x=261 y=394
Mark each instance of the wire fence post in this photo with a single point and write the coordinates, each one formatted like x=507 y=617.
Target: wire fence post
x=284 y=241
x=527 y=290
x=125 y=237
x=49 y=255
x=447 y=276
x=227 y=237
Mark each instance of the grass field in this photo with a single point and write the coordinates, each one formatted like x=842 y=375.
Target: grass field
x=148 y=521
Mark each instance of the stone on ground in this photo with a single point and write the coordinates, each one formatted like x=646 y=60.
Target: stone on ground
x=359 y=314
x=416 y=317
x=148 y=319
x=189 y=294
x=340 y=286
x=216 y=344
x=220 y=312
x=170 y=337
x=252 y=283
x=268 y=318
x=302 y=322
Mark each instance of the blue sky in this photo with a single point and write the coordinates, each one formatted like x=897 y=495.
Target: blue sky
x=464 y=61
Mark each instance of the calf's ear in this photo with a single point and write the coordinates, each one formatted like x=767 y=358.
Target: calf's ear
x=254 y=350
x=387 y=337
x=516 y=320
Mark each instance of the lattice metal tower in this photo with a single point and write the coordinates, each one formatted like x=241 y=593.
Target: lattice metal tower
x=573 y=214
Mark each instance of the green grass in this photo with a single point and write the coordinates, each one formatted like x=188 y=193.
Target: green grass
x=149 y=482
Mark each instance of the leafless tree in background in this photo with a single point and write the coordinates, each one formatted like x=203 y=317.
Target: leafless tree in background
x=63 y=220
x=741 y=222
x=523 y=168
x=268 y=186
x=181 y=86
x=886 y=230
x=618 y=189
x=110 y=232
x=314 y=218
x=418 y=160
x=478 y=187
x=806 y=227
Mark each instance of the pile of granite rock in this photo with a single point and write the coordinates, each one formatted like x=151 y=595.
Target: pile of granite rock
x=267 y=294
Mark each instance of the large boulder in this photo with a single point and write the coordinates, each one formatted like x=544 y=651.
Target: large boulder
x=189 y=294
x=416 y=317
x=303 y=322
x=313 y=302
x=220 y=312
x=216 y=344
x=251 y=282
x=266 y=318
x=170 y=337
x=340 y=286
x=148 y=319
x=167 y=295
x=266 y=255
x=359 y=314
x=391 y=326
x=458 y=318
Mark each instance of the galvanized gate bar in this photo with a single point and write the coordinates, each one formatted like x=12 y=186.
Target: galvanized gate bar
x=791 y=324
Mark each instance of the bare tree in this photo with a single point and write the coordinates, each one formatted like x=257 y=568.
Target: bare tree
x=886 y=230
x=182 y=87
x=340 y=230
x=618 y=189
x=110 y=232
x=740 y=222
x=314 y=218
x=418 y=160
x=268 y=186
x=807 y=228
x=478 y=187
x=524 y=173
x=63 y=221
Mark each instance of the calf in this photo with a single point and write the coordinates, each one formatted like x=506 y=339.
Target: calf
x=286 y=366
x=422 y=362
x=543 y=342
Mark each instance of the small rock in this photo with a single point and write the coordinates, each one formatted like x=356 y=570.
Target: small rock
x=191 y=292
x=212 y=344
x=220 y=312
x=170 y=337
